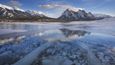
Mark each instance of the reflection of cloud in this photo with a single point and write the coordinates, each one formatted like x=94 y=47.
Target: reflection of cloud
x=14 y=4
x=58 y=6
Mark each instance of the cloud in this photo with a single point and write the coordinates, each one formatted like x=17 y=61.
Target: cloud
x=14 y=4
x=59 y=6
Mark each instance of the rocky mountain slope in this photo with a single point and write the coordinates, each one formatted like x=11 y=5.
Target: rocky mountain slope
x=8 y=13
x=76 y=15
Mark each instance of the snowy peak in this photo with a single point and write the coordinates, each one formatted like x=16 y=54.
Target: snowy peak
x=72 y=15
x=19 y=9
x=75 y=10
x=14 y=13
x=7 y=12
x=10 y=12
x=10 y=8
x=36 y=13
x=69 y=12
x=6 y=7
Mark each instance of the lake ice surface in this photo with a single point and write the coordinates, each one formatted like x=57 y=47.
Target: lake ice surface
x=73 y=43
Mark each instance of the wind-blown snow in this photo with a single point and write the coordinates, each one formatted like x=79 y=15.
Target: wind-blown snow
x=36 y=13
x=19 y=9
x=10 y=8
x=5 y=6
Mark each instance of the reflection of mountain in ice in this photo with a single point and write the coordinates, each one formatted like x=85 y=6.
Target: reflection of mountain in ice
x=69 y=33
x=60 y=44
x=92 y=49
x=62 y=34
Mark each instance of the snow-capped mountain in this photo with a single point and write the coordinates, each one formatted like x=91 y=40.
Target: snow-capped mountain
x=4 y=6
x=71 y=15
x=7 y=12
x=10 y=8
x=10 y=13
x=36 y=13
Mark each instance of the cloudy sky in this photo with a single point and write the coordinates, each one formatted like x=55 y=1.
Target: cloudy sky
x=54 y=8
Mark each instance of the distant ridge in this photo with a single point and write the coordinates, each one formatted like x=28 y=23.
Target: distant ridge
x=8 y=13
x=76 y=15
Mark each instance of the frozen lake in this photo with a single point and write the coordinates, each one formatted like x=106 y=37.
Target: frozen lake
x=105 y=26
x=78 y=43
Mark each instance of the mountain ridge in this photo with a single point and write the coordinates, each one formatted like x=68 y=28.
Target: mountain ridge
x=76 y=15
x=8 y=13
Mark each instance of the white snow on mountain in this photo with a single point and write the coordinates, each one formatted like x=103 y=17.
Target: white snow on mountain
x=19 y=9
x=76 y=15
x=5 y=6
x=10 y=8
x=35 y=13
x=73 y=14
x=8 y=12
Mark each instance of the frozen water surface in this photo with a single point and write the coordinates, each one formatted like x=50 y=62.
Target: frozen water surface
x=73 y=43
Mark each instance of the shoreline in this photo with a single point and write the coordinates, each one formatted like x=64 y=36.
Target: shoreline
x=37 y=23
